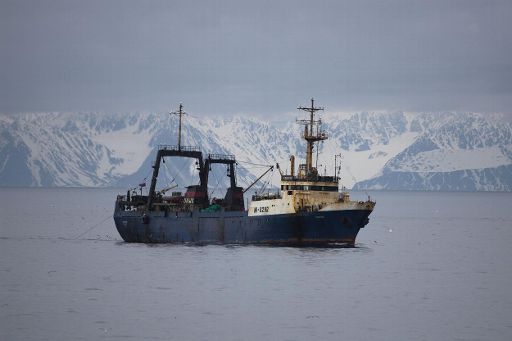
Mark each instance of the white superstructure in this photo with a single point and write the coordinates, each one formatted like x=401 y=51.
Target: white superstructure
x=308 y=191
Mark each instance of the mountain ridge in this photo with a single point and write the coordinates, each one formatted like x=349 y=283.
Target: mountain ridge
x=395 y=150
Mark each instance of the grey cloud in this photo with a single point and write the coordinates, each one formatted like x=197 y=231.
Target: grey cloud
x=223 y=57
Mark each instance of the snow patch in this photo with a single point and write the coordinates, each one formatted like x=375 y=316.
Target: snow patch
x=126 y=144
x=449 y=160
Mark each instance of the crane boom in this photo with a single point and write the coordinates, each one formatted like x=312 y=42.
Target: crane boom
x=258 y=179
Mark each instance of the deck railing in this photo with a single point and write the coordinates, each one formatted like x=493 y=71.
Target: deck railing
x=177 y=148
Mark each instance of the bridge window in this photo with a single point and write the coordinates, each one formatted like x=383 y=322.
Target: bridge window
x=310 y=188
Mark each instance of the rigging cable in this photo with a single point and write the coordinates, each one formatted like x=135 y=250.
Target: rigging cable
x=173 y=177
x=263 y=187
x=92 y=227
x=252 y=163
x=215 y=188
x=354 y=178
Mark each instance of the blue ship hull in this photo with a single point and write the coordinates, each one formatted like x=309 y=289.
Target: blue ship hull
x=236 y=227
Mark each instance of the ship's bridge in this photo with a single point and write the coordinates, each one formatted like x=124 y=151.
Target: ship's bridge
x=311 y=183
x=297 y=194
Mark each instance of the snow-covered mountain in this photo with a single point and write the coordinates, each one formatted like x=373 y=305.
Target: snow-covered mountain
x=75 y=149
x=455 y=152
x=420 y=151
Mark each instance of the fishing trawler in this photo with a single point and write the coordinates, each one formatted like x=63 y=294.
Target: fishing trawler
x=307 y=209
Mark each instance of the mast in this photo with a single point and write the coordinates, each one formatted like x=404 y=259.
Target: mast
x=309 y=135
x=180 y=113
x=179 y=151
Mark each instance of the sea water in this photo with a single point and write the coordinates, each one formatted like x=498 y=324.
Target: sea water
x=428 y=266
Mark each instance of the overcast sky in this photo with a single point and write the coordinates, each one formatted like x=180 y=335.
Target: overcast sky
x=255 y=57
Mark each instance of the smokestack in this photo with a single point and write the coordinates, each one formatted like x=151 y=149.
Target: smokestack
x=292 y=165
